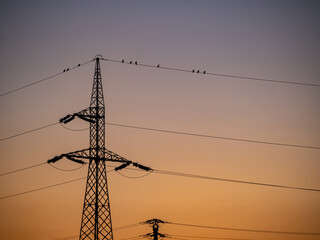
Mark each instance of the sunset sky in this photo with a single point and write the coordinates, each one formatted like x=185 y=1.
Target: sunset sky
x=268 y=39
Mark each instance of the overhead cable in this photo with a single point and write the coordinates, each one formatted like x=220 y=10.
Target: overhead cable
x=203 y=237
x=30 y=131
x=43 y=188
x=183 y=133
x=203 y=72
x=22 y=169
x=67 y=170
x=180 y=175
x=133 y=238
x=114 y=229
x=77 y=237
x=246 y=230
x=127 y=226
x=67 y=238
x=39 y=189
x=142 y=176
x=232 y=180
x=216 y=137
x=45 y=79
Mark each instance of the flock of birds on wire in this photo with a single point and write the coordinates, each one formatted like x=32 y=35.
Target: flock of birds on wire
x=136 y=63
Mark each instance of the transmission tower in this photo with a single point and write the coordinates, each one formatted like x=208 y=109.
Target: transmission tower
x=96 y=215
x=155 y=227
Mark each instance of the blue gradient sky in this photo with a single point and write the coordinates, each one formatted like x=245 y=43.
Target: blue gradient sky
x=267 y=39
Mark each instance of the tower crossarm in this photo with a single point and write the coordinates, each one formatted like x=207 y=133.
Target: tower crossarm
x=81 y=155
x=83 y=114
x=154 y=221
x=113 y=157
x=76 y=156
x=152 y=235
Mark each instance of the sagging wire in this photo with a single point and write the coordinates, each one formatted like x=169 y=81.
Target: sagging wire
x=75 y=130
x=22 y=169
x=68 y=170
x=123 y=175
x=45 y=79
x=204 y=72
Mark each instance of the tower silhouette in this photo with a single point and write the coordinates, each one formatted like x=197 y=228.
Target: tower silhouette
x=155 y=229
x=96 y=216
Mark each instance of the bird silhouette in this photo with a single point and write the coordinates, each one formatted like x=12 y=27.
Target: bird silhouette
x=67 y=69
x=204 y=72
x=136 y=63
x=158 y=66
x=193 y=70
x=122 y=61
x=198 y=71
x=78 y=65
x=64 y=70
x=130 y=62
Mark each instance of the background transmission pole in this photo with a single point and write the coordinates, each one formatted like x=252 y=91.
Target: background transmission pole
x=155 y=229
x=96 y=216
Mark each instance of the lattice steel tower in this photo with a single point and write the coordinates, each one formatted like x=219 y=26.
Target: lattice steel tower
x=96 y=216
x=96 y=201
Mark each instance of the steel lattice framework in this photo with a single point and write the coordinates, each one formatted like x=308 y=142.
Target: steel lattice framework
x=96 y=216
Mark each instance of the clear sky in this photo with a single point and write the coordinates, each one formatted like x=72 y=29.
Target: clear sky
x=263 y=39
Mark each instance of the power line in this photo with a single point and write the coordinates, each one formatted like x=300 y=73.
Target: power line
x=209 y=227
x=22 y=169
x=214 y=74
x=74 y=130
x=182 y=133
x=132 y=238
x=77 y=236
x=44 y=79
x=68 y=237
x=142 y=176
x=172 y=173
x=221 y=238
x=43 y=188
x=67 y=170
x=178 y=238
x=232 y=180
x=115 y=229
x=30 y=131
x=127 y=226
x=180 y=174
x=216 y=137
x=217 y=238
x=246 y=230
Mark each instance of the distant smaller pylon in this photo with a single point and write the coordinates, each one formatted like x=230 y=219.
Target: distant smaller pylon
x=155 y=227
